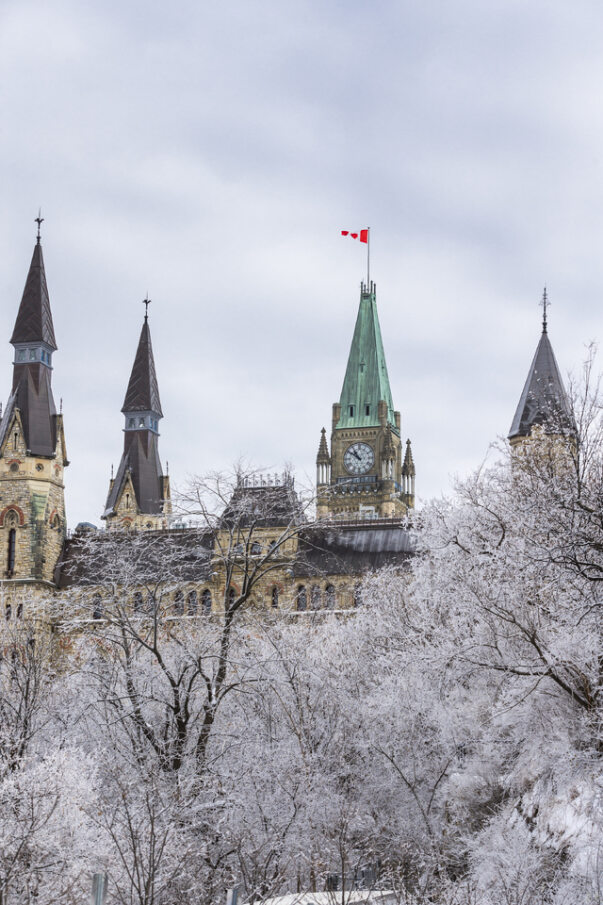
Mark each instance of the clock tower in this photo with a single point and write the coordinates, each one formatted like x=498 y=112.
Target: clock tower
x=365 y=474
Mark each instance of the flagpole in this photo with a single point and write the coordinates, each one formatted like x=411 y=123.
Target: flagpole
x=368 y=259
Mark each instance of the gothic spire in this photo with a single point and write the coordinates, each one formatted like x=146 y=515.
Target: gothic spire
x=142 y=394
x=408 y=467
x=323 y=449
x=543 y=400
x=140 y=488
x=34 y=319
x=366 y=381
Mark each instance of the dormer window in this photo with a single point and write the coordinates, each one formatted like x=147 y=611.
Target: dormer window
x=131 y=422
x=32 y=354
x=141 y=422
x=351 y=411
x=21 y=355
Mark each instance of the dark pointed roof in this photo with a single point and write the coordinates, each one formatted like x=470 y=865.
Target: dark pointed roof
x=140 y=462
x=34 y=320
x=143 y=392
x=366 y=381
x=543 y=400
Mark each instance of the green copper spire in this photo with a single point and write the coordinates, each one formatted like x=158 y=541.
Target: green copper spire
x=366 y=382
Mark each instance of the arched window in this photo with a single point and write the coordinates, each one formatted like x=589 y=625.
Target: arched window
x=19 y=611
x=12 y=546
x=151 y=604
x=138 y=601
x=192 y=603
x=256 y=548
x=302 y=599
x=8 y=611
x=275 y=598
x=97 y=607
x=315 y=597
x=206 y=601
x=179 y=603
x=231 y=597
x=331 y=597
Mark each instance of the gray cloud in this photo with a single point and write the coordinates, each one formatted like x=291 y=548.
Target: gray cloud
x=212 y=154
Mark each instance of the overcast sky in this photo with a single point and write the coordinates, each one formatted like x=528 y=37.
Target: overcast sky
x=210 y=153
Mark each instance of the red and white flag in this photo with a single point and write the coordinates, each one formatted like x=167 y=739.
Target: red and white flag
x=362 y=234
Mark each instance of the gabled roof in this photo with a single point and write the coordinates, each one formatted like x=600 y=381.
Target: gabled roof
x=366 y=381
x=34 y=319
x=142 y=394
x=543 y=400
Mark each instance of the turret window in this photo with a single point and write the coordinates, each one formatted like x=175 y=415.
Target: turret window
x=32 y=354
x=367 y=409
x=351 y=411
x=21 y=355
x=130 y=422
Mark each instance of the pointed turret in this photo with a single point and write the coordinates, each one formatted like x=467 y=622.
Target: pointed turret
x=323 y=456
x=323 y=461
x=408 y=476
x=34 y=319
x=139 y=496
x=366 y=381
x=34 y=342
x=32 y=443
x=142 y=394
x=543 y=400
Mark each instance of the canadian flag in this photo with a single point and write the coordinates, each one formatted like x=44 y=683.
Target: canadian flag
x=362 y=235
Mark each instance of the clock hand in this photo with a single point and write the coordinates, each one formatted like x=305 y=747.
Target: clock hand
x=356 y=454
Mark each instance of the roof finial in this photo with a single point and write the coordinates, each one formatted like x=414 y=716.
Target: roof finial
x=146 y=301
x=545 y=304
x=39 y=220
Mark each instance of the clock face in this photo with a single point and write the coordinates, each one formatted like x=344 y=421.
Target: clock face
x=359 y=458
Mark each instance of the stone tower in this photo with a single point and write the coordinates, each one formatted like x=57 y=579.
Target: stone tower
x=139 y=495
x=32 y=445
x=543 y=401
x=362 y=475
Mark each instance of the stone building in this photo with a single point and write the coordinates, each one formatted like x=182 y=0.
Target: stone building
x=263 y=538
x=305 y=561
